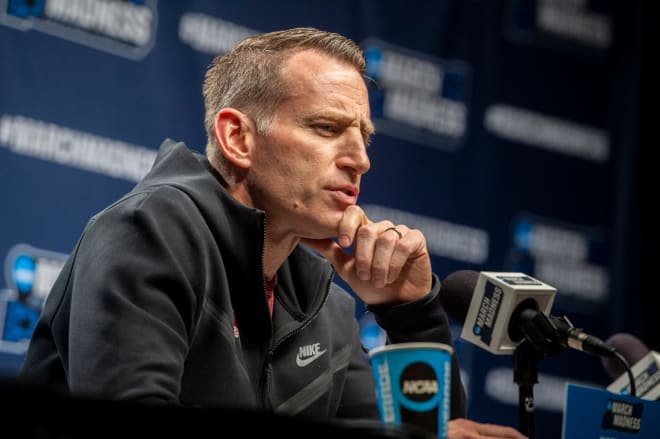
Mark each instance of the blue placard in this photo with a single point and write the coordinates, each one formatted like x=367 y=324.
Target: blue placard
x=597 y=413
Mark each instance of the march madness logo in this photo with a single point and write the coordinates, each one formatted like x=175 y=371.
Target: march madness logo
x=123 y=27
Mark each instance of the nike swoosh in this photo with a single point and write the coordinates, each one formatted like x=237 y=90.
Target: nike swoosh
x=302 y=363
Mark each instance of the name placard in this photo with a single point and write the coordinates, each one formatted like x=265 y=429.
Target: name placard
x=597 y=413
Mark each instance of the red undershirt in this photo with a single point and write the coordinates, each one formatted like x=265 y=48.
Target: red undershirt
x=270 y=292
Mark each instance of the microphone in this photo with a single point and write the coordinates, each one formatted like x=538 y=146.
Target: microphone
x=501 y=309
x=645 y=370
x=509 y=313
x=632 y=349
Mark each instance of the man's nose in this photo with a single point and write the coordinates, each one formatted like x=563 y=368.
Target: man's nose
x=355 y=154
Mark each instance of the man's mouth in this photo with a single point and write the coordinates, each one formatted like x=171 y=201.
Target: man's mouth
x=351 y=191
x=346 y=194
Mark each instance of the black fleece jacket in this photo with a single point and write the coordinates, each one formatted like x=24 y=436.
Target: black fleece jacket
x=162 y=300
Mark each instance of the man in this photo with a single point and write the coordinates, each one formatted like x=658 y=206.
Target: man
x=199 y=287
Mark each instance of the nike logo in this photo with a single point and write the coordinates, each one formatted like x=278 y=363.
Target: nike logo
x=308 y=354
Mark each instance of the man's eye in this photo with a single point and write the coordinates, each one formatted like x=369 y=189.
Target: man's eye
x=327 y=129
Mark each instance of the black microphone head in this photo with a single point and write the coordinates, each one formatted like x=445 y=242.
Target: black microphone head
x=630 y=347
x=456 y=293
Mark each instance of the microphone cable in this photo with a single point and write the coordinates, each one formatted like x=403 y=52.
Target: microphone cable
x=626 y=366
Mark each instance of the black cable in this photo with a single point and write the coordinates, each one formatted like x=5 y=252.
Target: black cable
x=626 y=366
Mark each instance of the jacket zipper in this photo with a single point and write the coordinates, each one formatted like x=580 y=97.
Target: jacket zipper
x=271 y=351
x=265 y=372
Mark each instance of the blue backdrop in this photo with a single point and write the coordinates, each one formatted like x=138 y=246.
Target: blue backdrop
x=507 y=130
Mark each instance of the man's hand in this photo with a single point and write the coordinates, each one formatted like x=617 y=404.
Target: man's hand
x=465 y=429
x=389 y=264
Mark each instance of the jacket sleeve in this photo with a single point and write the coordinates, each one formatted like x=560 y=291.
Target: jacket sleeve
x=424 y=320
x=133 y=302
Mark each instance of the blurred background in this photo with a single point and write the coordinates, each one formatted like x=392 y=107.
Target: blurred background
x=514 y=133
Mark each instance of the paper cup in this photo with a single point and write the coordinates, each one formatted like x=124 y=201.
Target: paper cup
x=413 y=382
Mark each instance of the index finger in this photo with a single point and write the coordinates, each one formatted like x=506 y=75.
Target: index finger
x=353 y=218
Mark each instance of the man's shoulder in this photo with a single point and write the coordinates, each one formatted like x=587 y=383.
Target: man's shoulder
x=157 y=196
x=160 y=204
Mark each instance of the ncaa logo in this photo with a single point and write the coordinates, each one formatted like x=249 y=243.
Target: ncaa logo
x=419 y=382
x=30 y=273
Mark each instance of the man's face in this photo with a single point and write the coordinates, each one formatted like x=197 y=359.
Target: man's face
x=306 y=169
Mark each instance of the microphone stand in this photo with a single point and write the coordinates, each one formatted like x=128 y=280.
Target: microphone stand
x=540 y=338
x=525 y=374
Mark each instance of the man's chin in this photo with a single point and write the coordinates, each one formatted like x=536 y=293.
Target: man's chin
x=326 y=229
x=322 y=236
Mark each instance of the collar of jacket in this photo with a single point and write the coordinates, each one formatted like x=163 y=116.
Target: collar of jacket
x=303 y=280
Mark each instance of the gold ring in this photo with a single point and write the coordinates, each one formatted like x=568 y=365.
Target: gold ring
x=394 y=229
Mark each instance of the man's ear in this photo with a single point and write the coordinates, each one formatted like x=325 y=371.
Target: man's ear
x=235 y=133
